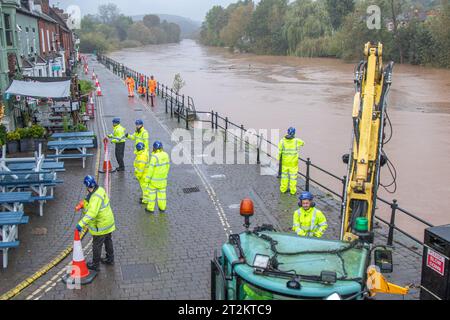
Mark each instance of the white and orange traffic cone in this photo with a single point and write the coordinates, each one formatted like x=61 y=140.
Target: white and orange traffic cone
x=80 y=274
x=99 y=91
x=97 y=83
x=94 y=76
x=107 y=166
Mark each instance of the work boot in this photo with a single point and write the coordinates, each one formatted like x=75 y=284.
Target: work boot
x=162 y=211
x=148 y=211
x=107 y=261
x=92 y=266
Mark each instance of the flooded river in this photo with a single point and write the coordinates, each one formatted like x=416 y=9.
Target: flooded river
x=315 y=96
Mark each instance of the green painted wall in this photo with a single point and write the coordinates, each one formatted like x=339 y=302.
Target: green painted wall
x=28 y=38
x=8 y=41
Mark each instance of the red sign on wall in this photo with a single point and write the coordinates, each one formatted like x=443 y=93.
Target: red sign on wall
x=436 y=262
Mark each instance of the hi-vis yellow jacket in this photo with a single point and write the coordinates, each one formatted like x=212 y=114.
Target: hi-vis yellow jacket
x=118 y=135
x=311 y=223
x=141 y=136
x=98 y=215
x=158 y=169
x=290 y=149
x=141 y=164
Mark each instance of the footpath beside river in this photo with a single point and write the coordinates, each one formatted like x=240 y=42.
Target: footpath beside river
x=168 y=256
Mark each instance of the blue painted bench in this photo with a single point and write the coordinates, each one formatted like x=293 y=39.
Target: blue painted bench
x=9 y=229
x=5 y=246
x=17 y=199
x=73 y=135
x=70 y=156
x=24 y=183
x=62 y=145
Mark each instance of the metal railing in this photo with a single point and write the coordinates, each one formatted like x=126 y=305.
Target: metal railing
x=176 y=105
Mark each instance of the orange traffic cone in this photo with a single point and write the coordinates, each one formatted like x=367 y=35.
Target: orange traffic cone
x=80 y=274
x=97 y=84
x=107 y=166
x=99 y=91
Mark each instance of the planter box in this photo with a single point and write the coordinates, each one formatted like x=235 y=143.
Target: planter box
x=12 y=146
x=26 y=145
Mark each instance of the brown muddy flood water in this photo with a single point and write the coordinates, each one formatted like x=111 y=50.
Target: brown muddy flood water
x=315 y=96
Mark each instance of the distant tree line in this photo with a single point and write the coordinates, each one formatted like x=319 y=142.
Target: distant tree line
x=412 y=31
x=111 y=30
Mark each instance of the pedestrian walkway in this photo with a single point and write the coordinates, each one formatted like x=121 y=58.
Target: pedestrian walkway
x=168 y=256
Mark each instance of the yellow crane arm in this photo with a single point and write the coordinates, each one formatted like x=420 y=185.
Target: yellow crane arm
x=364 y=160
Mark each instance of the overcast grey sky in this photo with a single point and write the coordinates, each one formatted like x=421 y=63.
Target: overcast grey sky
x=194 y=9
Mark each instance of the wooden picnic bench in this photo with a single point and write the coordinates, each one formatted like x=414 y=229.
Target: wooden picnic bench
x=50 y=165
x=36 y=181
x=13 y=201
x=62 y=145
x=73 y=135
x=9 y=230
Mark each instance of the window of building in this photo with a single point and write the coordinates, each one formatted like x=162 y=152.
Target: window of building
x=34 y=30
x=27 y=29
x=8 y=30
x=43 y=40
x=48 y=41
x=2 y=38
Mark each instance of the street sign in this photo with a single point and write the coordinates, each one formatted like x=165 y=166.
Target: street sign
x=436 y=262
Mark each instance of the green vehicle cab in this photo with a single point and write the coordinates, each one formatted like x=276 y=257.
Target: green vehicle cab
x=264 y=264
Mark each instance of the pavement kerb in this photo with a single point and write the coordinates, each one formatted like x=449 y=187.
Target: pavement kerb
x=45 y=269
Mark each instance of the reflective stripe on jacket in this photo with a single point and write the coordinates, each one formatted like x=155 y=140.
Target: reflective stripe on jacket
x=98 y=215
x=118 y=135
x=141 y=164
x=311 y=223
x=158 y=169
x=290 y=149
x=141 y=136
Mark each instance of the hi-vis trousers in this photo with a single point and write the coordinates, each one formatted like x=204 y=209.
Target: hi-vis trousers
x=289 y=177
x=152 y=193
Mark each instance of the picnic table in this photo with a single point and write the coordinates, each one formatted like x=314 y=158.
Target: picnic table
x=51 y=166
x=73 y=135
x=61 y=145
x=13 y=201
x=62 y=108
x=37 y=175
x=9 y=230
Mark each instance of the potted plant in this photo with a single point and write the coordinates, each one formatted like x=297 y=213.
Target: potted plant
x=12 y=141
x=37 y=133
x=26 y=142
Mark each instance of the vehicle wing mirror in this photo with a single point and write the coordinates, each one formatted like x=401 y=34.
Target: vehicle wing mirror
x=384 y=261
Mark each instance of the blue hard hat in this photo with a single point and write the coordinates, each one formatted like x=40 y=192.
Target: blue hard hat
x=157 y=145
x=90 y=182
x=306 y=196
x=140 y=146
x=291 y=132
x=139 y=122
x=116 y=120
